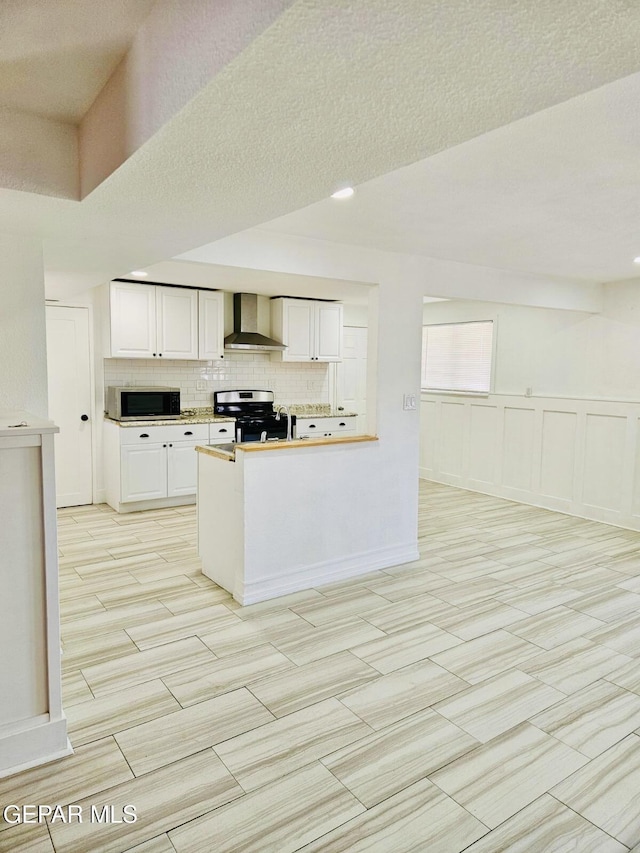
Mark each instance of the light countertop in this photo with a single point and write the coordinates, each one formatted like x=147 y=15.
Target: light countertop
x=24 y=423
x=206 y=416
x=181 y=421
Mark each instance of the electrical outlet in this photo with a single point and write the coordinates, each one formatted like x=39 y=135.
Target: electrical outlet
x=201 y=385
x=409 y=402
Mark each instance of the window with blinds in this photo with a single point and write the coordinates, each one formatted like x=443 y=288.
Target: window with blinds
x=457 y=356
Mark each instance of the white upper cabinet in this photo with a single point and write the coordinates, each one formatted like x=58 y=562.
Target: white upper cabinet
x=132 y=310
x=210 y=324
x=311 y=330
x=177 y=322
x=296 y=328
x=328 y=331
x=148 y=321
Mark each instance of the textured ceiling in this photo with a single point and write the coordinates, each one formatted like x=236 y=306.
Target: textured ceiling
x=333 y=91
x=56 y=55
x=557 y=193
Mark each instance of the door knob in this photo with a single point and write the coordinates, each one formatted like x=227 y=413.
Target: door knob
x=84 y=417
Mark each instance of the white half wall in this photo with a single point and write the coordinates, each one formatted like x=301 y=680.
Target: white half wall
x=581 y=457
x=23 y=356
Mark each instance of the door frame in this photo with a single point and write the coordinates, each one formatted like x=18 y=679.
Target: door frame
x=97 y=411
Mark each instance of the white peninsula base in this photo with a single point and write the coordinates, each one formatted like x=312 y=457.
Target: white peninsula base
x=287 y=516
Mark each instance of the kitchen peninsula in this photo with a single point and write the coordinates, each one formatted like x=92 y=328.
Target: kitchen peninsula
x=276 y=517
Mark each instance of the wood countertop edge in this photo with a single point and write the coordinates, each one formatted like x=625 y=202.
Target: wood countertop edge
x=219 y=454
x=258 y=447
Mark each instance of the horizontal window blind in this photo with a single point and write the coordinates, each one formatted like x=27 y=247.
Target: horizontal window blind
x=457 y=356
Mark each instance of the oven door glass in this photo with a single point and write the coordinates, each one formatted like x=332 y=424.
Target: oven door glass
x=253 y=431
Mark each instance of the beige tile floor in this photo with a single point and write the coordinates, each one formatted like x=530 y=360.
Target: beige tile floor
x=485 y=698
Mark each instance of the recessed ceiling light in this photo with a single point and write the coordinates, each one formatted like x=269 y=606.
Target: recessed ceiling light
x=345 y=192
x=636 y=260
x=139 y=273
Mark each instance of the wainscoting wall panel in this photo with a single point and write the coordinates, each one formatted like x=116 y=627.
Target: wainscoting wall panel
x=517 y=457
x=577 y=456
x=483 y=443
x=451 y=443
x=557 y=467
x=604 y=461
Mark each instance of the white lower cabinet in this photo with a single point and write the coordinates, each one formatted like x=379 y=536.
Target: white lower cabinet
x=143 y=472
x=155 y=466
x=325 y=426
x=182 y=468
x=158 y=470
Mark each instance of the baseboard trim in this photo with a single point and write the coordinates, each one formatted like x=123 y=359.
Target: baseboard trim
x=33 y=746
x=158 y=503
x=329 y=571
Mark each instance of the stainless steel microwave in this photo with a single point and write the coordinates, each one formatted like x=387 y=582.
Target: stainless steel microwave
x=137 y=403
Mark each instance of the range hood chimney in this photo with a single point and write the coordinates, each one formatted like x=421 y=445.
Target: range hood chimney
x=245 y=327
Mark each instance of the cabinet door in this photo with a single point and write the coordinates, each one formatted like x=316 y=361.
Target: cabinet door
x=182 y=468
x=177 y=322
x=328 y=336
x=143 y=472
x=210 y=325
x=298 y=329
x=133 y=320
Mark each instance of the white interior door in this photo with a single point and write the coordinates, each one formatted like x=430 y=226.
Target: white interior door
x=69 y=374
x=351 y=378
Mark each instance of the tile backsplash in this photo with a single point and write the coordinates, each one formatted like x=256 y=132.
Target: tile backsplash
x=291 y=383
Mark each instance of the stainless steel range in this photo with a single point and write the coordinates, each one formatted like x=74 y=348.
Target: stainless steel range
x=256 y=417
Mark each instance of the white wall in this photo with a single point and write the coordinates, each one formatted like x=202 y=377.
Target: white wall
x=561 y=353
x=574 y=445
x=23 y=358
x=356 y=315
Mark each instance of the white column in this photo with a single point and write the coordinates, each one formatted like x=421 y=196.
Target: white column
x=394 y=352
x=23 y=376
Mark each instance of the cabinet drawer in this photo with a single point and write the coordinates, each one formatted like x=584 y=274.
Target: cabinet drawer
x=321 y=426
x=151 y=434
x=226 y=431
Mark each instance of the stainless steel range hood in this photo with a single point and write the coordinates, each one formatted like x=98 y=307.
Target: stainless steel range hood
x=245 y=327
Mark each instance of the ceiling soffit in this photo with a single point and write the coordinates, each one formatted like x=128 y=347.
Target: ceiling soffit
x=327 y=93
